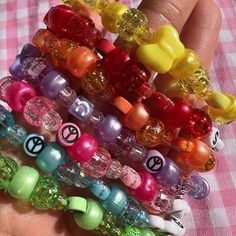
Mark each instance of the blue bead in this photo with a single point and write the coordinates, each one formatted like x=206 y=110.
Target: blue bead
x=116 y=201
x=16 y=134
x=6 y=119
x=100 y=189
x=51 y=157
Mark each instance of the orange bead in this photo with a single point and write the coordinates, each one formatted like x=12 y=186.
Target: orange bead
x=209 y=165
x=81 y=61
x=122 y=105
x=137 y=117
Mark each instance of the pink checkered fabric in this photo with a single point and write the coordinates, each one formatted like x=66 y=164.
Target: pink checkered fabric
x=19 y=20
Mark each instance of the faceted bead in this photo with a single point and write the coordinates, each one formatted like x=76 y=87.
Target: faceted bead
x=109 y=129
x=52 y=84
x=23 y=182
x=151 y=134
x=18 y=94
x=68 y=134
x=4 y=84
x=114 y=170
x=100 y=189
x=34 y=144
x=8 y=168
x=130 y=177
x=66 y=97
x=116 y=201
x=154 y=161
x=16 y=134
x=130 y=231
x=45 y=193
x=81 y=108
x=99 y=163
x=84 y=148
x=6 y=120
x=199 y=124
x=51 y=157
x=35 y=109
x=51 y=121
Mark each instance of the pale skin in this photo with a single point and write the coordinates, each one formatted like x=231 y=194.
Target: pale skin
x=198 y=22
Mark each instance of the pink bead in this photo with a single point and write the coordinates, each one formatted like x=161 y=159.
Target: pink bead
x=130 y=177
x=83 y=149
x=18 y=94
x=36 y=108
x=114 y=170
x=98 y=165
x=147 y=189
x=68 y=134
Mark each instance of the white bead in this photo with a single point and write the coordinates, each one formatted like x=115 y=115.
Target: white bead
x=174 y=227
x=157 y=222
x=180 y=208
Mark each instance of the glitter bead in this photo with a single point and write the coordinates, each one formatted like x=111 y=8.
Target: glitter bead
x=8 y=168
x=4 y=83
x=16 y=134
x=6 y=120
x=66 y=97
x=131 y=231
x=114 y=170
x=130 y=177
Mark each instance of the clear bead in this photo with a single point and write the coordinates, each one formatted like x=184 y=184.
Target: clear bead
x=16 y=134
x=82 y=180
x=66 y=97
x=138 y=152
x=4 y=83
x=95 y=119
x=114 y=170
x=51 y=121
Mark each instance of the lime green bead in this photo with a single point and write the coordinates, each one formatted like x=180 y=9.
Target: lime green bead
x=46 y=194
x=23 y=183
x=8 y=168
x=147 y=232
x=91 y=219
x=77 y=204
x=131 y=231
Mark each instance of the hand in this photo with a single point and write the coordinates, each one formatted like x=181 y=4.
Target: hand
x=198 y=22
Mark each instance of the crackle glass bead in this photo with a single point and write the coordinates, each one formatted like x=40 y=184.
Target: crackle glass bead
x=51 y=121
x=8 y=168
x=114 y=170
x=45 y=193
x=4 y=83
x=16 y=134
x=66 y=97
x=6 y=120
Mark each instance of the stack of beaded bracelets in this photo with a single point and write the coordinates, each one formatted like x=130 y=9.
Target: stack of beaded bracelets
x=73 y=46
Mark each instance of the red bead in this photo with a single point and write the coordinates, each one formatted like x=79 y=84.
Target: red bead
x=148 y=188
x=105 y=45
x=199 y=124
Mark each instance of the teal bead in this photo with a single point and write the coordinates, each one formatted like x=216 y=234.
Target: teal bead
x=100 y=189
x=16 y=134
x=23 y=183
x=116 y=202
x=6 y=119
x=51 y=157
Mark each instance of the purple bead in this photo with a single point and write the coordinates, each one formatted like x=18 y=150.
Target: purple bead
x=169 y=174
x=154 y=161
x=109 y=129
x=81 y=108
x=16 y=68
x=52 y=84
x=66 y=97
x=200 y=188
x=29 y=50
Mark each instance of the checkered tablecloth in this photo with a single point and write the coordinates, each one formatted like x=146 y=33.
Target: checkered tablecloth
x=216 y=215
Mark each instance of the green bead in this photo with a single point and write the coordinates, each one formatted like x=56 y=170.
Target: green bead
x=130 y=231
x=147 y=232
x=8 y=168
x=77 y=204
x=45 y=194
x=91 y=219
x=23 y=182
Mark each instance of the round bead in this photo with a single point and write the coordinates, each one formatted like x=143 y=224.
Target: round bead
x=91 y=219
x=6 y=120
x=109 y=129
x=100 y=189
x=154 y=161
x=131 y=231
x=34 y=144
x=116 y=201
x=18 y=94
x=137 y=117
x=80 y=61
x=68 y=134
x=152 y=133
x=130 y=177
x=51 y=157
x=148 y=188
x=122 y=105
x=16 y=134
x=52 y=84
x=114 y=170
x=23 y=182
x=169 y=174
x=98 y=164
x=83 y=149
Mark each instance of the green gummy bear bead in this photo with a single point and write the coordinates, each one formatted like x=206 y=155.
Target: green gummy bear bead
x=23 y=182
x=46 y=194
x=147 y=232
x=131 y=231
x=8 y=168
x=91 y=219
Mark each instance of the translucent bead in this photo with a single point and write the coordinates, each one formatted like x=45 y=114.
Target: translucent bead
x=143 y=35
x=66 y=97
x=45 y=193
x=51 y=121
x=82 y=180
x=130 y=22
x=129 y=230
x=4 y=83
x=95 y=119
x=16 y=134
x=6 y=120
x=151 y=134
x=8 y=168
x=137 y=152
x=99 y=163
x=114 y=170
x=100 y=189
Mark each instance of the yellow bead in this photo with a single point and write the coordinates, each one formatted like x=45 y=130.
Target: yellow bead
x=186 y=65
x=221 y=107
x=112 y=14
x=143 y=35
x=165 y=49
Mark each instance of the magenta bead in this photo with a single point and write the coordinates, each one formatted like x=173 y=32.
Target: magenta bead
x=98 y=165
x=130 y=177
x=147 y=189
x=18 y=94
x=84 y=148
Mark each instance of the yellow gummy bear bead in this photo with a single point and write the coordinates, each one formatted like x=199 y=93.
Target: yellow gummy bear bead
x=165 y=49
x=222 y=107
x=186 y=65
x=112 y=14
